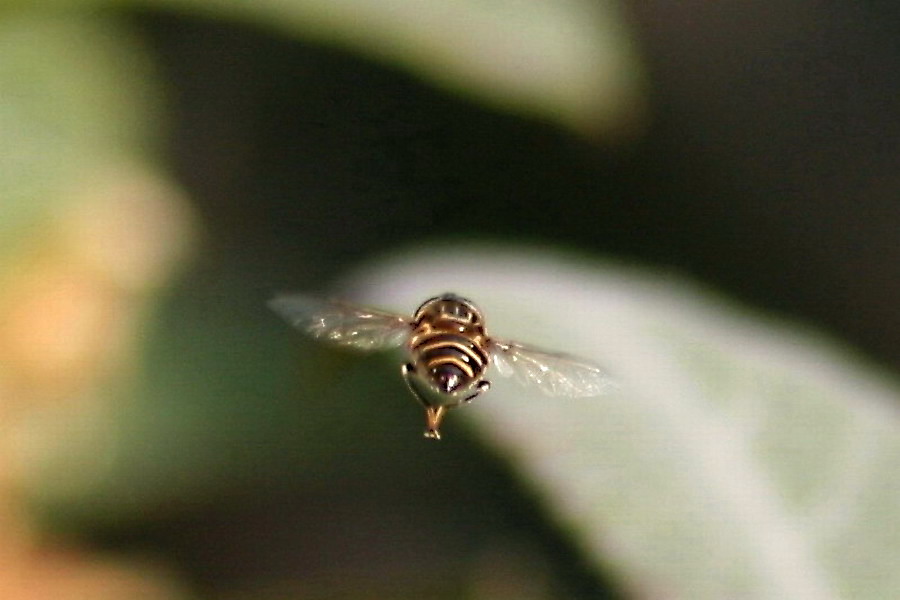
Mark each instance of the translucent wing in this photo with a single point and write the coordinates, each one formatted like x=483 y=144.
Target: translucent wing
x=554 y=373
x=341 y=323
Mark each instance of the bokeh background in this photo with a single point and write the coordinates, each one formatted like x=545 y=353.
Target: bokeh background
x=166 y=166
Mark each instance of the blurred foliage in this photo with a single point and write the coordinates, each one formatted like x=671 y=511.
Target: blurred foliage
x=150 y=401
x=78 y=95
x=742 y=456
x=114 y=416
x=569 y=61
x=88 y=228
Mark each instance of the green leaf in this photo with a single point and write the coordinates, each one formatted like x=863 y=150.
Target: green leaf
x=742 y=458
x=570 y=61
x=75 y=95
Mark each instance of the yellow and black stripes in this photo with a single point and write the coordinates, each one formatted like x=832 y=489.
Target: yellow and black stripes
x=451 y=349
x=447 y=344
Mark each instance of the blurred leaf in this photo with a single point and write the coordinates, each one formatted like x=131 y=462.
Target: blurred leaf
x=75 y=95
x=571 y=61
x=89 y=228
x=742 y=458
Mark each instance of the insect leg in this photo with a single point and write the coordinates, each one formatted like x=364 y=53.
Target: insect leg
x=433 y=417
x=481 y=388
x=433 y=414
x=408 y=371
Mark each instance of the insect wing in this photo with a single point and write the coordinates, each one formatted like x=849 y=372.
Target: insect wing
x=342 y=323
x=554 y=373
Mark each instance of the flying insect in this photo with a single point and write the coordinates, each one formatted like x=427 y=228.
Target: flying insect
x=448 y=350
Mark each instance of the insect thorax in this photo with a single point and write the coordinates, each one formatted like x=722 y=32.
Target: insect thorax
x=448 y=307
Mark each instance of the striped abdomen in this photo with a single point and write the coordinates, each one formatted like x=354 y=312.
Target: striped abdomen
x=451 y=360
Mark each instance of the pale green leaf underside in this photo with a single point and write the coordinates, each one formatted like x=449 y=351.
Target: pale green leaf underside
x=571 y=61
x=76 y=94
x=742 y=458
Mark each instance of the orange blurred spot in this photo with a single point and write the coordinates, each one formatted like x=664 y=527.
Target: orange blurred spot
x=62 y=328
x=68 y=308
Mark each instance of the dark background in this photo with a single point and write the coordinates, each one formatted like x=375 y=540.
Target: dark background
x=769 y=170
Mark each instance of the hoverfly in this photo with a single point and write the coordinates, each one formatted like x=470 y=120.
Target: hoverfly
x=448 y=350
